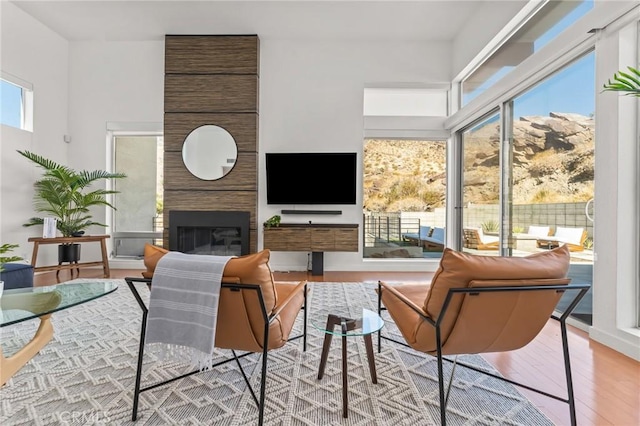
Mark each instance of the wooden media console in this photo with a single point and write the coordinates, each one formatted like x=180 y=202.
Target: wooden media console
x=316 y=238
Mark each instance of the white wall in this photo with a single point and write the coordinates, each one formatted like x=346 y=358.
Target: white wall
x=110 y=82
x=615 y=288
x=39 y=56
x=311 y=99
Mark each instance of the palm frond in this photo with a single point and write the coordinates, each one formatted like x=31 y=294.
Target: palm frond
x=5 y=259
x=45 y=163
x=34 y=221
x=92 y=176
x=629 y=83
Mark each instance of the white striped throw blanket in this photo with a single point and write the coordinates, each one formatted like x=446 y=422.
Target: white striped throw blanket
x=183 y=305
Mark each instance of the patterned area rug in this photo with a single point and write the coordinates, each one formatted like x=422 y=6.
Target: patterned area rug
x=85 y=375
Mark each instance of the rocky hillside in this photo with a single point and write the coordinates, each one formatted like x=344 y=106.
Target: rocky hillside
x=553 y=161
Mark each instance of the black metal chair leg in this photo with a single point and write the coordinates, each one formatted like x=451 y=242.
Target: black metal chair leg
x=136 y=391
x=143 y=329
x=304 y=326
x=379 y=312
x=263 y=382
x=443 y=403
x=453 y=370
x=567 y=370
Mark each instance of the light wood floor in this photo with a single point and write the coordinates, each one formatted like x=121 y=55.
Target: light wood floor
x=606 y=383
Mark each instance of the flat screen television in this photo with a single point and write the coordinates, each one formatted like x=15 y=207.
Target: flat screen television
x=311 y=178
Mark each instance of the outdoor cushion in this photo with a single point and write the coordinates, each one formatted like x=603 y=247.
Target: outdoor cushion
x=538 y=231
x=568 y=235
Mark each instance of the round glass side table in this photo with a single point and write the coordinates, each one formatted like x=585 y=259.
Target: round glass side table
x=367 y=323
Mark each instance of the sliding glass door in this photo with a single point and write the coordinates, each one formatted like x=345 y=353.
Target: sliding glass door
x=529 y=187
x=553 y=131
x=481 y=186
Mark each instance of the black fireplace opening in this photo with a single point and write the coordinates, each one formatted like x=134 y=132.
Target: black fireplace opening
x=220 y=233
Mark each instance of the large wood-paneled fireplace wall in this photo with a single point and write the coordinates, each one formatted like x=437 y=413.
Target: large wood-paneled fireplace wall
x=211 y=80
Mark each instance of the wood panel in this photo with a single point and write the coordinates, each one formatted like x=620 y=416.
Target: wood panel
x=243 y=176
x=210 y=93
x=287 y=239
x=323 y=239
x=242 y=126
x=212 y=80
x=222 y=54
x=346 y=239
x=210 y=200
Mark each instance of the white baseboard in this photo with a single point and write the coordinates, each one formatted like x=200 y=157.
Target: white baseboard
x=626 y=342
x=126 y=264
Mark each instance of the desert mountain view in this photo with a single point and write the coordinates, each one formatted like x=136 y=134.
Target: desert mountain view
x=553 y=162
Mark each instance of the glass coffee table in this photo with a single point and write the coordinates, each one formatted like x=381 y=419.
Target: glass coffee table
x=22 y=304
x=367 y=323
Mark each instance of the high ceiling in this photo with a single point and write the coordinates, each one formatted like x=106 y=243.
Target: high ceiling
x=302 y=19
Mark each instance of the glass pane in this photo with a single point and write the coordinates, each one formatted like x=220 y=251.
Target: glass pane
x=545 y=25
x=404 y=198
x=11 y=103
x=481 y=187
x=139 y=201
x=553 y=170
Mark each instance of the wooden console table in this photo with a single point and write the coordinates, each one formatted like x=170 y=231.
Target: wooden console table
x=71 y=240
x=316 y=238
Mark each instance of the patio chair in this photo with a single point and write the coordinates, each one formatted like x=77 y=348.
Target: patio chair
x=415 y=238
x=539 y=231
x=474 y=238
x=434 y=242
x=479 y=304
x=574 y=238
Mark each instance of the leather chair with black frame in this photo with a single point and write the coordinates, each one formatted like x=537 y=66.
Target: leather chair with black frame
x=481 y=304
x=255 y=314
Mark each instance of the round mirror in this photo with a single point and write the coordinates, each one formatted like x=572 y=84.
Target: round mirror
x=209 y=152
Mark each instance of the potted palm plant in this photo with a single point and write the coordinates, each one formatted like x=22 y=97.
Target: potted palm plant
x=65 y=194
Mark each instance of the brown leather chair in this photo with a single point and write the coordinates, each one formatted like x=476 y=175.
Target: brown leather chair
x=478 y=304
x=255 y=314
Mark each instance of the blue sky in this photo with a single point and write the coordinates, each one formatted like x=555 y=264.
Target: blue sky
x=570 y=90
x=11 y=98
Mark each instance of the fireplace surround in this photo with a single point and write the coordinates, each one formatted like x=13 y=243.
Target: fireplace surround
x=221 y=233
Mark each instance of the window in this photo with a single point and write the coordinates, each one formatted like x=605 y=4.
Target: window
x=549 y=21
x=404 y=187
x=16 y=97
x=138 y=216
x=408 y=102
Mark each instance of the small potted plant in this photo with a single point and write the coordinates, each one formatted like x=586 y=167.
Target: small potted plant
x=64 y=194
x=272 y=221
